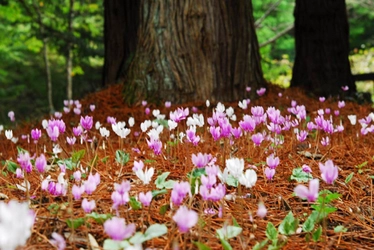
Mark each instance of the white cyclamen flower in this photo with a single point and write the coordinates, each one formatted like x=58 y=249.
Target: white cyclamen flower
x=16 y=222
x=145 y=176
x=104 y=132
x=235 y=166
x=249 y=178
x=9 y=134
x=352 y=119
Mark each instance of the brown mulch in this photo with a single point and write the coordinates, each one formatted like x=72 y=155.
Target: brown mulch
x=347 y=150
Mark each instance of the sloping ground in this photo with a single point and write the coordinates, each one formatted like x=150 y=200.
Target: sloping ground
x=349 y=150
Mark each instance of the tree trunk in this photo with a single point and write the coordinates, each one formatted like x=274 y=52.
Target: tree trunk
x=69 y=56
x=121 y=20
x=322 y=47
x=193 y=51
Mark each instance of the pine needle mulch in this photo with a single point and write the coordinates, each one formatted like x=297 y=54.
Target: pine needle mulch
x=351 y=151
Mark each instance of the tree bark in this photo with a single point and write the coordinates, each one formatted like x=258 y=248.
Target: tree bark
x=322 y=47
x=69 y=56
x=193 y=51
x=121 y=20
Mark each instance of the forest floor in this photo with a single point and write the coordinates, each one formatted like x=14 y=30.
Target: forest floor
x=351 y=151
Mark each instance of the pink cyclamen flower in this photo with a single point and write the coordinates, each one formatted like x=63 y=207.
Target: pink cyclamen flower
x=272 y=161
x=92 y=107
x=86 y=122
x=117 y=229
x=269 y=173
x=322 y=99
x=306 y=168
x=261 y=211
x=179 y=114
x=88 y=206
x=77 y=191
x=261 y=91
x=257 y=138
x=180 y=190
x=201 y=160
x=145 y=198
x=345 y=88
x=311 y=193
x=36 y=134
x=24 y=161
x=167 y=104
x=41 y=163
x=11 y=116
x=329 y=172
x=58 y=240
x=185 y=219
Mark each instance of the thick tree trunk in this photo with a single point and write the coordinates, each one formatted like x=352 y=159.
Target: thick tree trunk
x=322 y=47
x=69 y=54
x=194 y=50
x=121 y=19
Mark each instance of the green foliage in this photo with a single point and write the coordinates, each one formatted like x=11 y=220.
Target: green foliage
x=288 y=225
x=122 y=157
x=161 y=181
x=300 y=176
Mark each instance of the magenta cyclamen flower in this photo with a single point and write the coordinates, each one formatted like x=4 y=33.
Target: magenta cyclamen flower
x=58 y=240
x=117 y=229
x=311 y=193
x=261 y=91
x=329 y=172
x=248 y=123
x=36 y=134
x=257 y=138
x=180 y=190
x=77 y=191
x=201 y=160
x=86 y=122
x=41 y=163
x=179 y=114
x=272 y=162
x=185 y=219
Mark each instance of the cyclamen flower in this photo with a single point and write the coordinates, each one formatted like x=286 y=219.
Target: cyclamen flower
x=179 y=114
x=185 y=219
x=235 y=166
x=155 y=145
x=16 y=222
x=24 y=161
x=145 y=198
x=301 y=135
x=58 y=241
x=272 y=162
x=249 y=178
x=261 y=91
x=88 y=206
x=269 y=173
x=86 y=122
x=248 y=123
x=257 y=138
x=191 y=135
x=41 y=163
x=11 y=116
x=36 y=134
x=329 y=172
x=306 y=168
x=9 y=134
x=201 y=160
x=261 y=211
x=214 y=193
x=145 y=176
x=117 y=229
x=77 y=191
x=180 y=190
x=311 y=193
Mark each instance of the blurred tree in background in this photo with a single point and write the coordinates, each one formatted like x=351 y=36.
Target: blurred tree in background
x=23 y=80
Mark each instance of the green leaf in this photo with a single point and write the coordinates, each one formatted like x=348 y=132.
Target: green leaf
x=164 y=209
x=308 y=225
x=158 y=192
x=75 y=223
x=349 y=178
x=326 y=196
x=288 y=225
x=11 y=166
x=67 y=162
x=122 y=157
x=317 y=234
x=300 y=176
x=77 y=156
x=201 y=246
x=197 y=172
x=228 y=232
x=21 y=150
x=271 y=232
x=231 y=181
x=154 y=231
x=105 y=159
x=162 y=122
x=115 y=245
x=99 y=218
x=161 y=183
x=340 y=229
x=225 y=244
x=260 y=245
x=235 y=222
x=136 y=205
